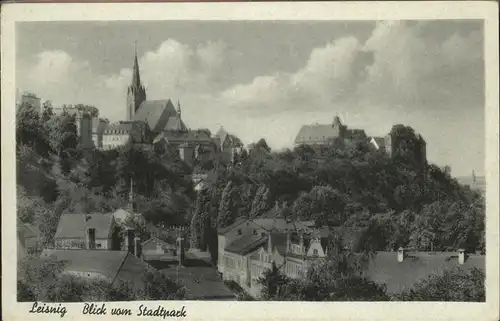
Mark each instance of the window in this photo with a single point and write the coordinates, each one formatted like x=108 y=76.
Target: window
x=315 y=252
x=99 y=245
x=239 y=232
x=254 y=232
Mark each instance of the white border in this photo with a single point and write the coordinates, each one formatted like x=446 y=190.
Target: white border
x=12 y=13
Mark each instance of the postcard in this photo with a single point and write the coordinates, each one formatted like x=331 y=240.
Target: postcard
x=193 y=160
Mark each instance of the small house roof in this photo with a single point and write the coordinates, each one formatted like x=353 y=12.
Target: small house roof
x=73 y=225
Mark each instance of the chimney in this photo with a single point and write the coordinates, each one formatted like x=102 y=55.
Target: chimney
x=129 y=240
x=276 y=205
x=269 y=243
x=401 y=254
x=137 y=246
x=461 y=256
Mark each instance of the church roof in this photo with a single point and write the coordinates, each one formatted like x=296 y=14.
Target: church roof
x=156 y=113
x=316 y=133
x=175 y=123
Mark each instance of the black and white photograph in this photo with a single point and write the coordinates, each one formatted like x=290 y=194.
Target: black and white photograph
x=250 y=160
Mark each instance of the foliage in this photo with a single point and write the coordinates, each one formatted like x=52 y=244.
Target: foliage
x=451 y=285
x=261 y=202
x=160 y=287
x=227 y=209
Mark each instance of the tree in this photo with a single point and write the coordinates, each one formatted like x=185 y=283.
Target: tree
x=157 y=286
x=261 y=202
x=63 y=134
x=194 y=231
x=272 y=280
x=227 y=208
x=450 y=285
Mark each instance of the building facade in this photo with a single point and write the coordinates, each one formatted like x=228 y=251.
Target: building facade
x=322 y=134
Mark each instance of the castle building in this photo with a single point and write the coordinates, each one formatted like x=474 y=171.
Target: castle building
x=322 y=134
x=31 y=99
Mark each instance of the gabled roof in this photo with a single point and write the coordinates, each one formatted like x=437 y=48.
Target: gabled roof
x=237 y=222
x=175 y=123
x=317 y=132
x=162 y=241
x=74 y=225
x=384 y=267
x=379 y=142
x=156 y=113
x=28 y=230
x=279 y=224
x=114 y=265
x=246 y=244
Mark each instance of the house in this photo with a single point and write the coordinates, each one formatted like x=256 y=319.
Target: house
x=165 y=249
x=111 y=266
x=400 y=270
x=29 y=236
x=86 y=231
x=122 y=132
x=322 y=134
x=247 y=248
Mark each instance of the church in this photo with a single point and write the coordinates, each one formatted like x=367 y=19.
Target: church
x=161 y=126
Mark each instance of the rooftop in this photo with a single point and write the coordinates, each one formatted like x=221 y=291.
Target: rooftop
x=384 y=267
x=75 y=225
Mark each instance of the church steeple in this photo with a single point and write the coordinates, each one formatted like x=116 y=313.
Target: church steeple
x=136 y=93
x=136 y=77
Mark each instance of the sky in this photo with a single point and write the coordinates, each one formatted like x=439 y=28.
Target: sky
x=265 y=79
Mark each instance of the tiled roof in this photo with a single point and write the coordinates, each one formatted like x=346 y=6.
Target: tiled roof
x=384 y=267
x=202 y=282
x=28 y=230
x=156 y=113
x=279 y=224
x=190 y=136
x=237 y=222
x=114 y=265
x=73 y=225
x=246 y=244
x=315 y=133
x=174 y=123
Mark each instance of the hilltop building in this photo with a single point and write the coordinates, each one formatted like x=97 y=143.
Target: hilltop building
x=166 y=130
x=322 y=134
x=30 y=99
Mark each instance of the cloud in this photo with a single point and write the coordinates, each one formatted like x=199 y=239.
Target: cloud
x=401 y=73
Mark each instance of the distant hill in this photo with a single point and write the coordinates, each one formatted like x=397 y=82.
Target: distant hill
x=479 y=184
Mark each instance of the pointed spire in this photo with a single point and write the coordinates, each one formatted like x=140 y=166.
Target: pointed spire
x=136 y=78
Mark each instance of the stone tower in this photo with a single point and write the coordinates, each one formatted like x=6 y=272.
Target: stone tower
x=136 y=93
